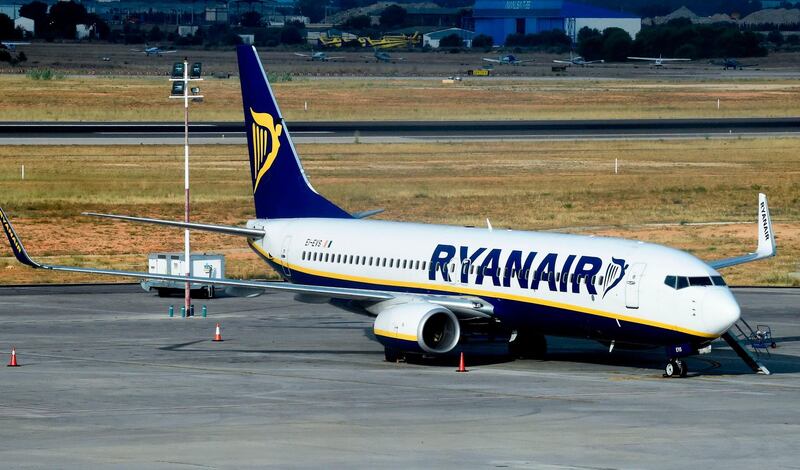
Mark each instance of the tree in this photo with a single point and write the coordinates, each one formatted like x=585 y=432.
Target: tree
x=37 y=11
x=291 y=35
x=313 y=9
x=251 y=19
x=64 y=16
x=155 y=34
x=616 y=44
x=7 y=30
x=451 y=40
x=482 y=41
x=775 y=37
x=393 y=16
x=357 y=22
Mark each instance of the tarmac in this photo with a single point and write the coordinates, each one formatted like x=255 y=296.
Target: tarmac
x=108 y=379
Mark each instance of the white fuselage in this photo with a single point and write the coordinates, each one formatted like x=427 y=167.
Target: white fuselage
x=605 y=280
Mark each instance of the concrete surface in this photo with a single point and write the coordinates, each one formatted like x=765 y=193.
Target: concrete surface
x=109 y=380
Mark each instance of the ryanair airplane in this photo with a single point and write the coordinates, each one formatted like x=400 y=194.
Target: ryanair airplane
x=430 y=286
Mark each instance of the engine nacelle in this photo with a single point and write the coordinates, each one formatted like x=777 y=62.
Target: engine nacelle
x=417 y=327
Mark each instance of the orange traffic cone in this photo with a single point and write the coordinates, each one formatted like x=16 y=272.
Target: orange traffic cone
x=461 y=366
x=217 y=335
x=13 y=362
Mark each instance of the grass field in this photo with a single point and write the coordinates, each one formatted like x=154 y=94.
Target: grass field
x=536 y=186
x=145 y=99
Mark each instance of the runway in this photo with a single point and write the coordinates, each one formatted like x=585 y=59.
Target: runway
x=107 y=378
x=397 y=131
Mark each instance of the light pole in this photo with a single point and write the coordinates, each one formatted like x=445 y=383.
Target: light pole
x=180 y=89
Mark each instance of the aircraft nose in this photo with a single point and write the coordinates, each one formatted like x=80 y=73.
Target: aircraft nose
x=720 y=310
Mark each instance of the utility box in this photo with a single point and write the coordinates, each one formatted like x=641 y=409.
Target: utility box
x=203 y=265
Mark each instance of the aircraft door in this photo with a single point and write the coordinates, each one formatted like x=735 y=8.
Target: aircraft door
x=632 y=285
x=285 y=256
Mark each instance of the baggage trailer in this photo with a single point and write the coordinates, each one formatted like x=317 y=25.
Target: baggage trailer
x=203 y=265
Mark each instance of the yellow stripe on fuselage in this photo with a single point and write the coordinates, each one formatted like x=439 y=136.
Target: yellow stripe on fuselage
x=479 y=293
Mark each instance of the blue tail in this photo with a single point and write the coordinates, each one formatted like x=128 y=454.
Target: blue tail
x=280 y=187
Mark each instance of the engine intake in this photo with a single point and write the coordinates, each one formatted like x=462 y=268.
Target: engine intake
x=418 y=327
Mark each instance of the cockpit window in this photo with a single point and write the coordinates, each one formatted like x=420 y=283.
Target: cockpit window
x=700 y=281
x=681 y=282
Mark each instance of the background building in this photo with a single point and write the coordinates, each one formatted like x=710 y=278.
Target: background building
x=432 y=39
x=499 y=18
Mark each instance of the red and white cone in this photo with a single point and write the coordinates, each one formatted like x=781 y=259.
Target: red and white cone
x=217 y=334
x=13 y=362
x=461 y=366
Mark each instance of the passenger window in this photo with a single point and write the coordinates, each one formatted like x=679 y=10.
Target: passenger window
x=424 y=263
x=601 y=280
x=670 y=281
x=416 y=264
x=682 y=282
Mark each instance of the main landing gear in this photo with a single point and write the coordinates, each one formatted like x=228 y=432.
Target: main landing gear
x=676 y=367
x=525 y=344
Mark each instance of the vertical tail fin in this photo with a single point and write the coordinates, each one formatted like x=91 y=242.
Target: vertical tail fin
x=280 y=186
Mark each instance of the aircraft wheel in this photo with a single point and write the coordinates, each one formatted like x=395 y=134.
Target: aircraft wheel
x=528 y=345
x=670 y=369
x=683 y=368
x=391 y=355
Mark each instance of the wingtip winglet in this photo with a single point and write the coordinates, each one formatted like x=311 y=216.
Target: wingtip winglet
x=766 y=235
x=16 y=245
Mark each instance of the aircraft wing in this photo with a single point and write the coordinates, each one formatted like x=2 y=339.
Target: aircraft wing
x=169 y=52
x=226 y=229
x=658 y=59
x=496 y=61
x=11 y=43
x=299 y=54
x=336 y=57
x=766 y=239
x=587 y=62
x=460 y=305
x=568 y=62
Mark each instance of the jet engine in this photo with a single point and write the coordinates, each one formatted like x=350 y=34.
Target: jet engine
x=417 y=327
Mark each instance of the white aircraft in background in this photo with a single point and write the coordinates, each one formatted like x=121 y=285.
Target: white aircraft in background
x=155 y=50
x=318 y=56
x=509 y=59
x=12 y=46
x=577 y=60
x=429 y=286
x=659 y=61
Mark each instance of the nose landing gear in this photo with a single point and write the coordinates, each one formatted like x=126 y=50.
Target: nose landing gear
x=676 y=367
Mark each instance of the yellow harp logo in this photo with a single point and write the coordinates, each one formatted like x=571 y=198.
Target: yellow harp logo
x=266 y=143
x=9 y=231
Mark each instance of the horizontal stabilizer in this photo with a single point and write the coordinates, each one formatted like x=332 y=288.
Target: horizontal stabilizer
x=365 y=214
x=226 y=229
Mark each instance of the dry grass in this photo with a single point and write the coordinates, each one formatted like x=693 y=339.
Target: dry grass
x=520 y=185
x=145 y=99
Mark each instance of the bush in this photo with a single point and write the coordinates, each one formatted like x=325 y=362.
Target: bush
x=291 y=35
x=546 y=40
x=482 y=41
x=451 y=40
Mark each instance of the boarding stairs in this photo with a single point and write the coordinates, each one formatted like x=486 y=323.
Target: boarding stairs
x=741 y=335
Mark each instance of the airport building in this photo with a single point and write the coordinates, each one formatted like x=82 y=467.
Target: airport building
x=500 y=18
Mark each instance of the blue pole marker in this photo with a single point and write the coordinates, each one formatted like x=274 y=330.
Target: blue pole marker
x=205 y=311
x=171 y=311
